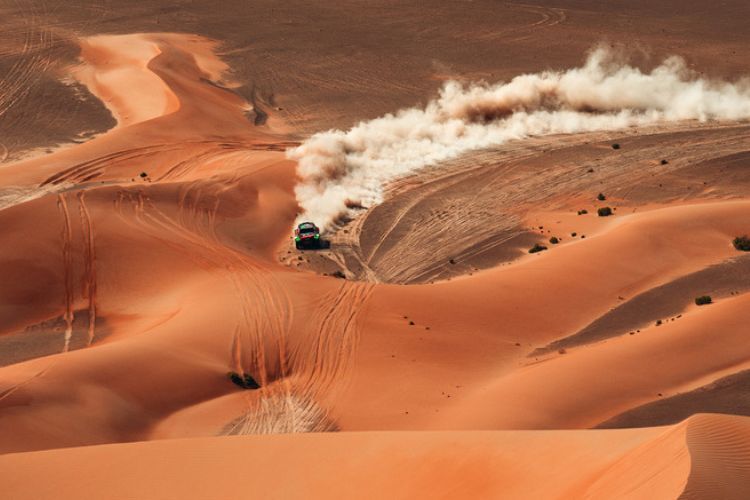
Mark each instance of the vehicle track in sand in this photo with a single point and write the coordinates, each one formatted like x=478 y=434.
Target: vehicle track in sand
x=302 y=401
x=547 y=18
x=468 y=213
x=88 y=283
x=294 y=377
x=89 y=259
x=67 y=258
x=32 y=60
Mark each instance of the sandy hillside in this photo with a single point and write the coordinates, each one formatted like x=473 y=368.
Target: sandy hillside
x=153 y=162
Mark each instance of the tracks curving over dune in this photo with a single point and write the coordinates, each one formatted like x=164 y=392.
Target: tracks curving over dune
x=474 y=212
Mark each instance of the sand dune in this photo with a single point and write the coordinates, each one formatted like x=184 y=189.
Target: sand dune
x=695 y=458
x=427 y=353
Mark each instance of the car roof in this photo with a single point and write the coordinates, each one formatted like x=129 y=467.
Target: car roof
x=306 y=225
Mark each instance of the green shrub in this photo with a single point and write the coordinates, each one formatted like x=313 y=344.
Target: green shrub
x=604 y=212
x=554 y=240
x=537 y=248
x=742 y=243
x=601 y=197
x=703 y=300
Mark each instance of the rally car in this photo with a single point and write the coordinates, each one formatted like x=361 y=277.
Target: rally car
x=307 y=235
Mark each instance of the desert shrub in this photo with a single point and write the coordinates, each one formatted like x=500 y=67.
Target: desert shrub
x=703 y=300
x=574 y=234
x=583 y=212
x=604 y=212
x=601 y=197
x=742 y=243
x=537 y=248
x=554 y=240
x=664 y=162
x=245 y=380
x=615 y=146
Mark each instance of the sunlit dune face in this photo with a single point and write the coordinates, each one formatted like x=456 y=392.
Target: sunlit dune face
x=524 y=272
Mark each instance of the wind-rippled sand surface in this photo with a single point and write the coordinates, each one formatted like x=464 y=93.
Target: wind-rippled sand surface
x=146 y=204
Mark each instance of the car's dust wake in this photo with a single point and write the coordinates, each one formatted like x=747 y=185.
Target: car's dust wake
x=344 y=169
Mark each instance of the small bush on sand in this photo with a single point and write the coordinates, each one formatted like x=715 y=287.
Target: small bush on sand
x=554 y=240
x=703 y=300
x=583 y=212
x=742 y=243
x=604 y=212
x=243 y=380
x=537 y=248
x=601 y=197
x=615 y=146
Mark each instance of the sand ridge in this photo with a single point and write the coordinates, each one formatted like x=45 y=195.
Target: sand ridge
x=657 y=462
x=141 y=266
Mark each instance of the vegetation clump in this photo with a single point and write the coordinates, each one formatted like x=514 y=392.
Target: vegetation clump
x=703 y=300
x=615 y=146
x=243 y=380
x=554 y=240
x=742 y=243
x=537 y=248
x=601 y=197
x=583 y=212
x=604 y=212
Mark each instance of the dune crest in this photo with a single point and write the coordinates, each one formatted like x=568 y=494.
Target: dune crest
x=115 y=69
x=692 y=459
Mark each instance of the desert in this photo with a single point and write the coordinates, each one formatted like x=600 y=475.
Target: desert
x=529 y=278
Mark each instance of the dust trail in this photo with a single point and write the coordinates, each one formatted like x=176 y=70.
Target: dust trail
x=339 y=169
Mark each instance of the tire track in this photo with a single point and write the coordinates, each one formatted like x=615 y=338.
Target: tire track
x=8 y=392
x=335 y=339
x=89 y=281
x=548 y=17
x=263 y=314
x=289 y=397
x=67 y=236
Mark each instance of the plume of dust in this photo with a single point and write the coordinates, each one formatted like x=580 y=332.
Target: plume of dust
x=339 y=169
